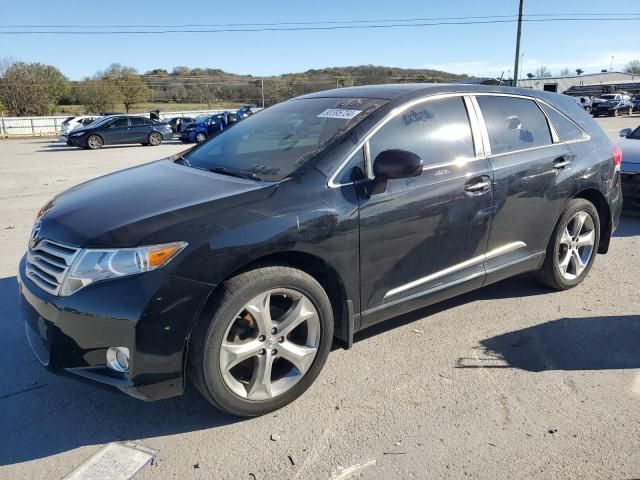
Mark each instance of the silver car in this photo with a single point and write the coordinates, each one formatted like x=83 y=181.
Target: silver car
x=630 y=168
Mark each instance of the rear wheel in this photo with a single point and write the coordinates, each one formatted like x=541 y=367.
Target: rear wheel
x=630 y=111
x=572 y=247
x=201 y=137
x=94 y=142
x=266 y=342
x=616 y=113
x=155 y=139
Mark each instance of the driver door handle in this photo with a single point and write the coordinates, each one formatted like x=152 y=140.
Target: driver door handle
x=561 y=163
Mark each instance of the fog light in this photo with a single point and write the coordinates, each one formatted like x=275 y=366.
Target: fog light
x=118 y=359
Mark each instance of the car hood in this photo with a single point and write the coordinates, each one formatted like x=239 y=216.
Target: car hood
x=151 y=203
x=630 y=155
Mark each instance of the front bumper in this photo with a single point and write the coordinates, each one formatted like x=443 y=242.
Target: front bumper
x=79 y=141
x=189 y=136
x=151 y=314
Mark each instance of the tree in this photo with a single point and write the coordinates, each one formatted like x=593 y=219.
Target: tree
x=579 y=71
x=565 y=72
x=32 y=88
x=633 y=67
x=132 y=86
x=98 y=95
x=542 y=72
x=530 y=76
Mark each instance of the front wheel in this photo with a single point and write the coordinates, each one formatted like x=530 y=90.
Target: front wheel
x=616 y=113
x=266 y=342
x=94 y=142
x=201 y=137
x=155 y=139
x=572 y=247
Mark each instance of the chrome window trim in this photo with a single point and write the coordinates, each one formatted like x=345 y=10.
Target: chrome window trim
x=555 y=138
x=483 y=127
x=476 y=127
x=496 y=252
x=392 y=114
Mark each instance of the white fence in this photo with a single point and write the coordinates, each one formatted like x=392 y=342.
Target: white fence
x=40 y=126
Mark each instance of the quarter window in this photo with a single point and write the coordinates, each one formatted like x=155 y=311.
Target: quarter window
x=514 y=123
x=566 y=128
x=437 y=130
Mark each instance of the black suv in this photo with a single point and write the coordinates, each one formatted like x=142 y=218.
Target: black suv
x=237 y=264
x=120 y=129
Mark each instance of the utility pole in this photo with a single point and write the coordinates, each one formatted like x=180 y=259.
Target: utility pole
x=516 y=66
x=262 y=89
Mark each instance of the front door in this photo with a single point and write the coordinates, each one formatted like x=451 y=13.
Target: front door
x=117 y=131
x=424 y=237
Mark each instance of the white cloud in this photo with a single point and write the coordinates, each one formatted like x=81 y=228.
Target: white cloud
x=588 y=63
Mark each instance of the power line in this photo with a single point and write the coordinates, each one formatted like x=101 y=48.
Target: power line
x=327 y=22
x=316 y=28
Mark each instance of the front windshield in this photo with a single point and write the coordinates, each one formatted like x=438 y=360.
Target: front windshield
x=99 y=121
x=608 y=97
x=273 y=143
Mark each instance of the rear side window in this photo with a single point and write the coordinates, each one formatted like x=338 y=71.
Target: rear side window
x=137 y=121
x=438 y=131
x=514 y=124
x=566 y=128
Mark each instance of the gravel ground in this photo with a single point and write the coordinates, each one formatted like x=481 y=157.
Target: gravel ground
x=511 y=381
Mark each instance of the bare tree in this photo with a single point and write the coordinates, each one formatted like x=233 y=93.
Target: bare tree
x=542 y=71
x=633 y=67
x=565 y=72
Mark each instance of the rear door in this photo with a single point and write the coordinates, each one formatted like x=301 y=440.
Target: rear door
x=139 y=129
x=425 y=234
x=532 y=180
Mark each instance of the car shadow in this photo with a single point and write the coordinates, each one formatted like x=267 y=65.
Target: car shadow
x=629 y=226
x=44 y=414
x=591 y=343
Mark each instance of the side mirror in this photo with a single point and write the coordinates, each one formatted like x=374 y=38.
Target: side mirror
x=625 y=132
x=392 y=164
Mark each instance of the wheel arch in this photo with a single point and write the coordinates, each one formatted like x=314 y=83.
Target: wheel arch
x=86 y=141
x=604 y=212
x=320 y=270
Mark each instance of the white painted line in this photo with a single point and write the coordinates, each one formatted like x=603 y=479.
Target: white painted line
x=114 y=461
x=349 y=472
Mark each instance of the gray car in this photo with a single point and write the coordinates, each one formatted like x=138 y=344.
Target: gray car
x=630 y=168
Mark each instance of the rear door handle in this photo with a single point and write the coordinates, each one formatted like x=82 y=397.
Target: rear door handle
x=478 y=185
x=561 y=163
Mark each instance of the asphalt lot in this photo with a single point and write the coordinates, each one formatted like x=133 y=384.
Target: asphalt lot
x=511 y=381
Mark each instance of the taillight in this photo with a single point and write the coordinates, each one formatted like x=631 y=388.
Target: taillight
x=617 y=158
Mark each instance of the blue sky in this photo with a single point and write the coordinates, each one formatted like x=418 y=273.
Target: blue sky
x=483 y=50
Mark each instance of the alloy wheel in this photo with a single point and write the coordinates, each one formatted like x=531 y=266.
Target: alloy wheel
x=200 y=137
x=576 y=245
x=155 y=139
x=270 y=344
x=94 y=142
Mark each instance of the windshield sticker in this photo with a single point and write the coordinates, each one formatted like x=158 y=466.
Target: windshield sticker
x=341 y=113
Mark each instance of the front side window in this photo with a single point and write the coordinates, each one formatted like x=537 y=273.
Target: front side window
x=514 y=123
x=119 y=122
x=438 y=131
x=276 y=141
x=354 y=170
x=566 y=128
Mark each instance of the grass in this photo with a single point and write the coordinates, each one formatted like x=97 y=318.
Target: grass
x=147 y=107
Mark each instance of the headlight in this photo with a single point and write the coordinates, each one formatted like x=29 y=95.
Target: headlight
x=94 y=265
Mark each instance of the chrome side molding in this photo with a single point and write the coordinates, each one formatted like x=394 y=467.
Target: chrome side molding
x=496 y=252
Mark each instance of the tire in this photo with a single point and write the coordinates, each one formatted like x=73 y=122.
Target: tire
x=565 y=244
x=94 y=142
x=154 y=139
x=630 y=111
x=201 y=137
x=616 y=113
x=231 y=385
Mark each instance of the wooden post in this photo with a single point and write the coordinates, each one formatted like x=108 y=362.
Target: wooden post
x=3 y=128
x=33 y=130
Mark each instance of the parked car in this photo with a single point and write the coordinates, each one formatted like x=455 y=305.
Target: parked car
x=237 y=263
x=120 y=129
x=630 y=169
x=636 y=103
x=176 y=123
x=584 y=102
x=71 y=123
x=612 y=105
x=206 y=126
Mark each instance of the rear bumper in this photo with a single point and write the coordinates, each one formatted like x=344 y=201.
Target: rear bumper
x=150 y=314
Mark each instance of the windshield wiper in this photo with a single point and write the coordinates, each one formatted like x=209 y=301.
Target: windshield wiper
x=182 y=161
x=232 y=172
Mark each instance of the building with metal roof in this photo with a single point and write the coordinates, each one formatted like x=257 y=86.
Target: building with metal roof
x=586 y=84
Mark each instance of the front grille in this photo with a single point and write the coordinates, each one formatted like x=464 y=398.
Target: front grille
x=48 y=263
